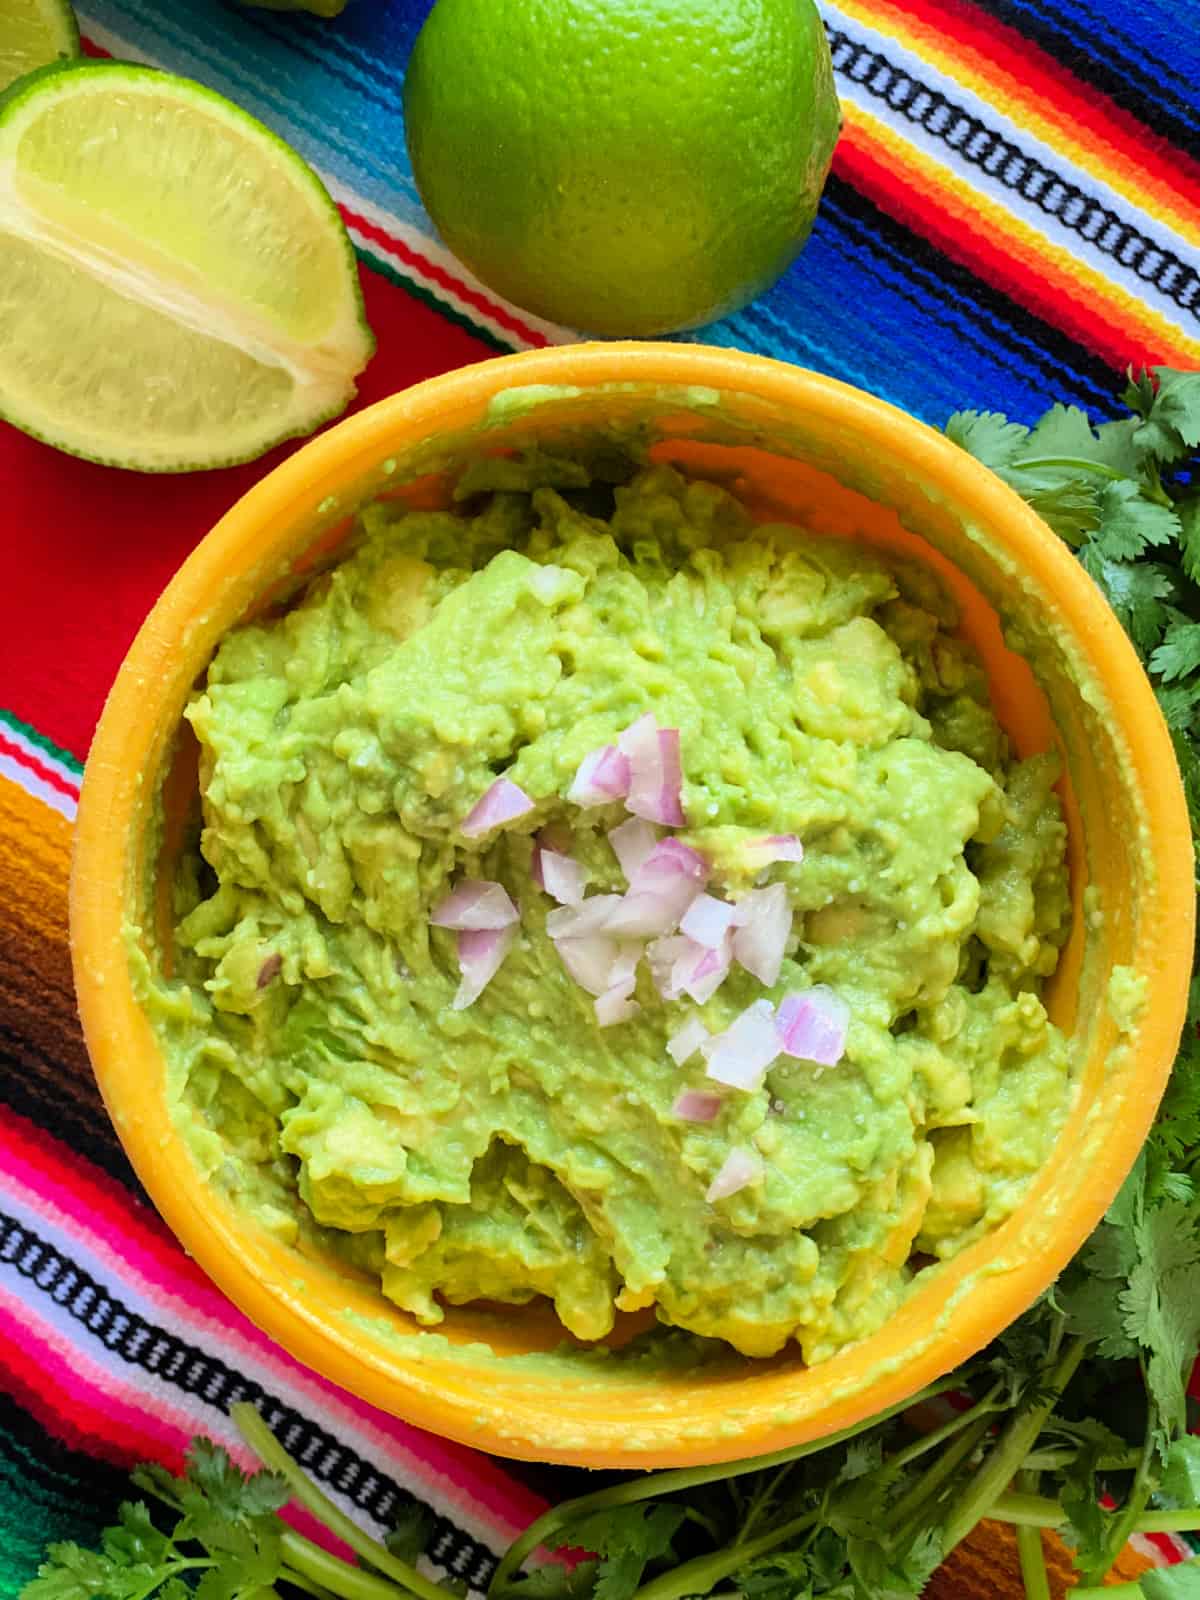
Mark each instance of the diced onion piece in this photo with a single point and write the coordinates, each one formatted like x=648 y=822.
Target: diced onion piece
x=632 y=842
x=480 y=952
x=774 y=847
x=667 y=862
x=503 y=802
x=616 y=1005
x=580 y=922
x=741 y=1168
x=655 y=772
x=682 y=1045
x=741 y=1055
x=703 y=971
x=560 y=876
x=811 y=1025
x=474 y=905
x=707 y=921
x=663 y=956
x=660 y=891
x=624 y=968
x=603 y=776
x=589 y=961
x=764 y=925
x=694 y=1105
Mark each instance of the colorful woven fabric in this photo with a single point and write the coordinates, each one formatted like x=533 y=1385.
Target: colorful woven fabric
x=1014 y=216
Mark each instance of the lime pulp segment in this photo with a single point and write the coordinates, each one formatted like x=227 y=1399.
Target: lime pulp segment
x=176 y=286
x=34 y=33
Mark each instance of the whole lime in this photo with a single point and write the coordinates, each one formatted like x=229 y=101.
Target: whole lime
x=623 y=166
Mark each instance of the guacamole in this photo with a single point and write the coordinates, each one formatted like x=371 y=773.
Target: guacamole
x=324 y=1063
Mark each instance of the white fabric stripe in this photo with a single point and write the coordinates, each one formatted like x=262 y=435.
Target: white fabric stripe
x=1027 y=210
x=37 y=788
x=436 y=252
x=39 y=753
x=175 y=1318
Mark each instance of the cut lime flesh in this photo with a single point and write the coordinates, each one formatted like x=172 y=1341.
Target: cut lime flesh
x=32 y=34
x=176 y=287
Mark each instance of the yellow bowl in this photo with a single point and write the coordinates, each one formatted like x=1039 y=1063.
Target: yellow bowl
x=841 y=462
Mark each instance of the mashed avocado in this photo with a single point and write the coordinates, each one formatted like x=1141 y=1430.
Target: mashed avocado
x=515 y=1148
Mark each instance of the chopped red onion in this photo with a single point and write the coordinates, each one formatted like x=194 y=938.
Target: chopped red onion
x=624 y=968
x=740 y=1169
x=660 y=891
x=741 y=1055
x=602 y=776
x=632 y=842
x=707 y=921
x=655 y=772
x=763 y=920
x=480 y=952
x=702 y=972
x=560 y=876
x=580 y=922
x=663 y=955
x=616 y=1005
x=502 y=803
x=475 y=905
x=269 y=970
x=669 y=860
x=590 y=961
x=812 y=1024
x=764 y=852
x=693 y=1105
x=683 y=1044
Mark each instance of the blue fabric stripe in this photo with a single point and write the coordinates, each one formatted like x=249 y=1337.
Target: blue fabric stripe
x=902 y=331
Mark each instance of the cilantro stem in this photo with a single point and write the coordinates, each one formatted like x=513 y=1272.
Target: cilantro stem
x=930 y=1441
x=268 y=1449
x=697 y=1577
x=1072 y=463
x=1126 y=1518
x=912 y=1507
x=654 y=1485
x=328 y=1572
x=1054 y=1460
x=1015 y=1443
x=1031 y=1551
x=1034 y=1511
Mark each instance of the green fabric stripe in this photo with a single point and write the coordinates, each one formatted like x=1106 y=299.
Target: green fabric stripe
x=39 y=1509
x=63 y=757
x=420 y=292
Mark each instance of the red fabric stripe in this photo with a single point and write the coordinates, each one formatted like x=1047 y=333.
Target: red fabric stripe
x=1003 y=49
x=148 y=526
x=48 y=776
x=1022 y=280
x=439 y=275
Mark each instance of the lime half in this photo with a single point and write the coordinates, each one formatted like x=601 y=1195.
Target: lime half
x=176 y=286
x=32 y=34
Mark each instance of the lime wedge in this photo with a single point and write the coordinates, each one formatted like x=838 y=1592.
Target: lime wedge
x=32 y=34
x=176 y=286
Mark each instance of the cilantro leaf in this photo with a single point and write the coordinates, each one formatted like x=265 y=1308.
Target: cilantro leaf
x=988 y=436
x=1177 y=405
x=1129 y=522
x=1178 y=656
x=1181 y=1582
x=1137 y=592
x=1180 y=1481
x=777 y=1577
x=71 y=1573
x=1066 y=432
x=626 y=1539
x=412 y=1529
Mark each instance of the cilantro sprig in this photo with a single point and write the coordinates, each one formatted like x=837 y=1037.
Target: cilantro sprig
x=1075 y=1420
